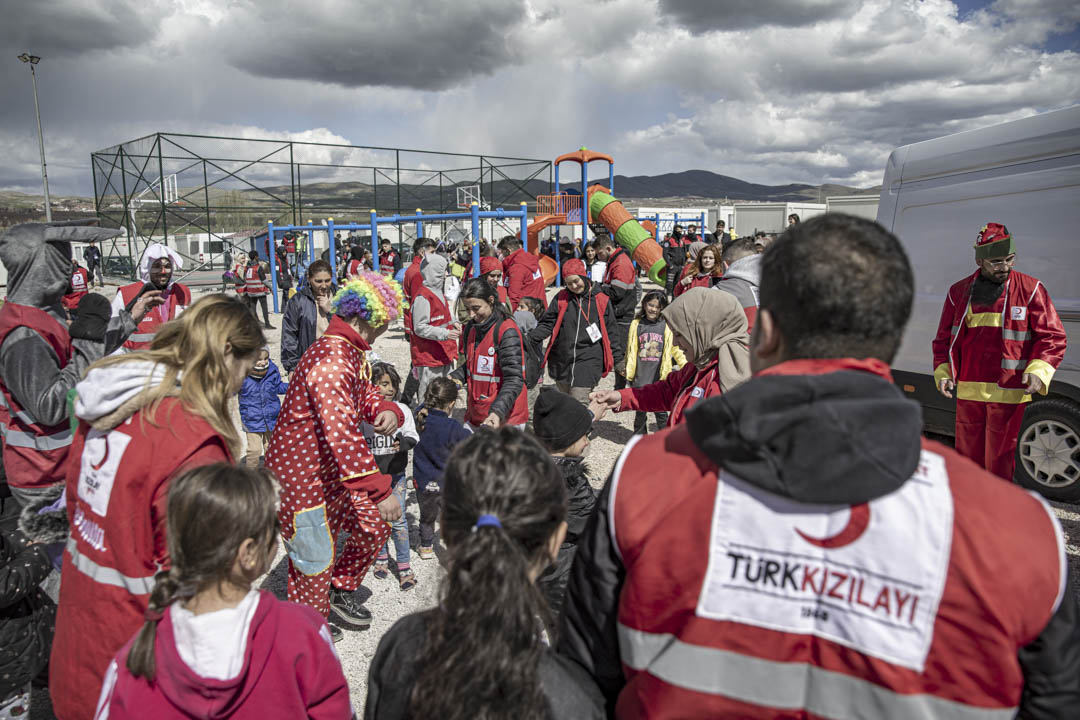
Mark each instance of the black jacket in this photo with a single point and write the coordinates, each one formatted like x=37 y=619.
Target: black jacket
x=582 y=498
x=862 y=437
x=298 y=327
x=573 y=358
x=511 y=363
x=27 y=616
x=569 y=692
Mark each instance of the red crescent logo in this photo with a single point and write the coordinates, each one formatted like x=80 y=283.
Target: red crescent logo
x=856 y=526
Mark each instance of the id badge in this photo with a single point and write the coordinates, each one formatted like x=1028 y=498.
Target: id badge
x=594 y=332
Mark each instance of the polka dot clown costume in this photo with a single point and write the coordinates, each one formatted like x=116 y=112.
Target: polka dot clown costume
x=329 y=479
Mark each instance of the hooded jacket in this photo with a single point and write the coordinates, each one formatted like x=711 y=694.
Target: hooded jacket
x=523 y=276
x=38 y=260
x=431 y=319
x=288 y=668
x=819 y=466
x=299 y=326
x=259 y=402
x=572 y=356
x=742 y=280
x=26 y=614
x=117 y=486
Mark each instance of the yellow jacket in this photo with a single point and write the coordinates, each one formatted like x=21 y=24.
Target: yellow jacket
x=669 y=354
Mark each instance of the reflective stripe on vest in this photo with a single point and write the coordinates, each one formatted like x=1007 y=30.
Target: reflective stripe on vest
x=41 y=443
x=141 y=337
x=786 y=685
x=21 y=415
x=1011 y=364
x=1016 y=335
x=107 y=575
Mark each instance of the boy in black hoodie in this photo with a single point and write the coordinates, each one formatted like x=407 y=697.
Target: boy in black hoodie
x=562 y=425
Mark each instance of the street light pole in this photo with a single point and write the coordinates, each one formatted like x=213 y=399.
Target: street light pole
x=34 y=60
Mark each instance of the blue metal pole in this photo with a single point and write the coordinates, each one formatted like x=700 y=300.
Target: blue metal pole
x=556 y=177
x=475 y=209
x=273 y=263
x=333 y=249
x=419 y=224
x=311 y=244
x=611 y=177
x=584 y=203
x=374 y=242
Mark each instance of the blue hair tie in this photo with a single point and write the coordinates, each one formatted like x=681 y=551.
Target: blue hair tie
x=487 y=521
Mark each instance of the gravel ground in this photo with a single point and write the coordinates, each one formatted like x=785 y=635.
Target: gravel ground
x=387 y=603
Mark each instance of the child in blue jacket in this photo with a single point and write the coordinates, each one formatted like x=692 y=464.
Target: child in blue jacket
x=439 y=433
x=259 y=405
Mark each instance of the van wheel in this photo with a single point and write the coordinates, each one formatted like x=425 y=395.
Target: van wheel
x=1048 y=452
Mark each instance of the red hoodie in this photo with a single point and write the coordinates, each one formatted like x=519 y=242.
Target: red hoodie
x=290 y=670
x=523 y=277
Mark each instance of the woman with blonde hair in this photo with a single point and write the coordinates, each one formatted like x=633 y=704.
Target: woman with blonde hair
x=143 y=418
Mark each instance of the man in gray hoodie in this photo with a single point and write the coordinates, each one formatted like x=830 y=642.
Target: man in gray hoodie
x=41 y=358
x=742 y=275
x=434 y=340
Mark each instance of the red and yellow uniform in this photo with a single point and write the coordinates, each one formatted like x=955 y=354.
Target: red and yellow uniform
x=988 y=348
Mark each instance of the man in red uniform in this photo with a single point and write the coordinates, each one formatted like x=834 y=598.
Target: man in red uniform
x=410 y=284
x=619 y=285
x=329 y=479
x=80 y=286
x=156 y=280
x=998 y=343
x=522 y=271
x=808 y=554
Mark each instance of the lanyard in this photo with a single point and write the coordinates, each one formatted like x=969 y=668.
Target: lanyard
x=585 y=314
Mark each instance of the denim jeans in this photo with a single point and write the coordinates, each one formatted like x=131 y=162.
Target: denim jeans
x=399 y=530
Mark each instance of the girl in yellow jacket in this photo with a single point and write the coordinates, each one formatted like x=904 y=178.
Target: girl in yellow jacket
x=651 y=354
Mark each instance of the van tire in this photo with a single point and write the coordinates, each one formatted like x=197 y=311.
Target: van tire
x=1051 y=425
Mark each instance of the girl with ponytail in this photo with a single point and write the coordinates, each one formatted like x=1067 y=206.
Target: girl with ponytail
x=210 y=645
x=482 y=652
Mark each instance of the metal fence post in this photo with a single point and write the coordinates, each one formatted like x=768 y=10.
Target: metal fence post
x=475 y=210
x=374 y=242
x=333 y=250
x=273 y=262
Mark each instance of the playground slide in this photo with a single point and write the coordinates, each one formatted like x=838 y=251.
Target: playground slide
x=548 y=267
x=627 y=231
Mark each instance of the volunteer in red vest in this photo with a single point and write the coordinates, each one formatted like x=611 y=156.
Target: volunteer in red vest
x=796 y=548
x=290 y=251
x=433 y=344
x=577 y=321
x=490 y=270
x=356 y=263
x=997 y=345
x=79 y=287
x=742 y=275
x=256 y=288
x=493 y=373
x=620 y=285
x=144 y=417
x=410 y=284
x=522 y=271
x=156 y=269
x=389 y=260
x=703 y=270
x=330 y=481
x=710 y=328
x=41 y=358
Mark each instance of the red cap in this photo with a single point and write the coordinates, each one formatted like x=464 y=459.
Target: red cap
x=992 y=232
x=489 y=264
x=573 y=267
x=994 y=240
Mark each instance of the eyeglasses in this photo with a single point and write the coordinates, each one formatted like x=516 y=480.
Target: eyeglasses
x=1003 y=262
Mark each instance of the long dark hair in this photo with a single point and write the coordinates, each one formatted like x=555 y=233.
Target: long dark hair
x=478 y=288
x=384 y=368
x=482 y=649
x=659 y=295
x=213 y=509
x=440 y=392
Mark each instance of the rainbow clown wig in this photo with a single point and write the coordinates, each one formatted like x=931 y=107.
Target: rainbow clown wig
x=375 y=299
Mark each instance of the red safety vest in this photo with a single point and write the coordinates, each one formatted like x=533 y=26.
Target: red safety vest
x=354 y=267
x=34 y=454
x=114 y=484
x=80 y=279
x=998 y=345
x=908 y=606
x=148 y=327
x=253 y=284
x=485 y=375
x=433 y=353
x=563 y=299
x=290 y=245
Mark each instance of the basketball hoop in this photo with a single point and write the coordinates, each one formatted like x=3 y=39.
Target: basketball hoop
x=467 y=195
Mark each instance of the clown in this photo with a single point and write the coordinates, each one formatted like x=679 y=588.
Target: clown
x=329 y=479
x=998 y=343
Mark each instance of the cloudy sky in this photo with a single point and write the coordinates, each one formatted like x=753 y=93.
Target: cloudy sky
x=769 y=91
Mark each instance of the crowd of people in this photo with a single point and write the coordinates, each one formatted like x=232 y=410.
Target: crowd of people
x=786 y=544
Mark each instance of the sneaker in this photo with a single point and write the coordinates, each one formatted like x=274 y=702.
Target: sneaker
x=343 y=602
x=427 y=552
x=336 y=633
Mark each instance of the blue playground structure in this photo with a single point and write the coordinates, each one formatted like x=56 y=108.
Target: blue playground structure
x=475 y=214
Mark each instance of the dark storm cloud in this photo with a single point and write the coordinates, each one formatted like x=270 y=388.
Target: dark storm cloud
x=701 y=16
x=425 y=45
x=51 y=28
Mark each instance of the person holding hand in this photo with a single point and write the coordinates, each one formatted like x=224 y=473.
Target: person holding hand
x=330 y=480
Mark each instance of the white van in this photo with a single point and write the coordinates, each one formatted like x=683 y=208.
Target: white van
x=935 y=197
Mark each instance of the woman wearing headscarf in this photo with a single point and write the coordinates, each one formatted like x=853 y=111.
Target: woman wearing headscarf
x=710 y=328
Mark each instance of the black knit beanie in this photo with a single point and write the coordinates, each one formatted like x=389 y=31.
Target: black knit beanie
x=559 y=421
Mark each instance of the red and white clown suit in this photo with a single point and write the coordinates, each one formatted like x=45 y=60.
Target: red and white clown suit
x=999 y=341
x=329 y=478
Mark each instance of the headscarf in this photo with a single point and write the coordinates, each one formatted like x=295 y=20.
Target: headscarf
x=155 y=251
x=489 y=264
x=574 y=267
x=714 y=325
x=695 y=248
